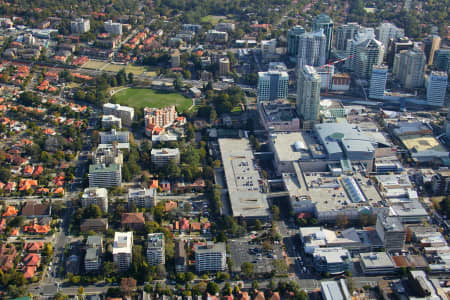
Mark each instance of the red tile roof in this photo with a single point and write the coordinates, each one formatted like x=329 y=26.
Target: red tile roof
x=10 y=212
x=32 y=259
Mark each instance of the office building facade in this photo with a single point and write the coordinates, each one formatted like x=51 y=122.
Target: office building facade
x=430 y=45
x=308 y=94
x=210 y=257
x=325 y=23
x=365 y=54
x=409 y=68
x=312 y=49
x=378 y=82
x=161 y=157
x=344 y=33
x=293 y=37
x=441 y=60
x=272 y=85
x=391 y=232
x=437 y=88
x=101 y=175
x=386 y=31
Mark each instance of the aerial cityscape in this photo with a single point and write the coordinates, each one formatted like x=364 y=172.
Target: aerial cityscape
x=224 y=150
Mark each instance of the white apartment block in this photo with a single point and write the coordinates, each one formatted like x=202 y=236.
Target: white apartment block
x=123 y=112
x=110 y=121
x=112 y=27
x=268 y=48
x=161 y=157
x=114 y=136
x=123 y=250
x=80 y=25
x=108 y=154
x=210 y=257
x=217 y=36
x=101 y=175
x=156 y=249
x=142 y=198
x=97 y=196
x=225 y=27
x=94 y=247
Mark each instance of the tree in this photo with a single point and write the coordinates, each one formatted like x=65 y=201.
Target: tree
x=267 y=245
x=187 y=208
x=255 y=285
x=258 y=224
x=212 y=288
x=5 y=174
x=48 y=250
x=275 y=212
x=189 y=276
x=222 y=276
x=341 y=220
x=92 y=211
x=28 y=98
x=81 y=292
x=280 y=266
x=247 y=268
x=109 y=268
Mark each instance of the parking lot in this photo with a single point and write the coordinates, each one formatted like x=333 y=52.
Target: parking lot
x=242 y=251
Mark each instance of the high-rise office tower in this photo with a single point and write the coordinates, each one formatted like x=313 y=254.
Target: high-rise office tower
x=292 y=40
x=409 y=68
x=395 y=46
x=378 y=81
x=431 y=44
x=441 y=59
x=365 y=33
x=365 y=53
x=436 y=88
x=272 y=85
x=308 y=94
x=324 y=22
x=345 y=32
x=312 y=49
x=386 y=31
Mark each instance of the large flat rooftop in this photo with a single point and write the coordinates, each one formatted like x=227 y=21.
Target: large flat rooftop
x=290 y=146
x=243 y=179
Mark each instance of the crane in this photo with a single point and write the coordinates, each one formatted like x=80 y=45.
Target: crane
x=332 y=64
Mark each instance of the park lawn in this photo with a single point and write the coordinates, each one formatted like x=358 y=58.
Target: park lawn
x=140 y=98
x=213 y=20
x=94 y=64
x=136 y=70
x=237 y=109
x=72 y=85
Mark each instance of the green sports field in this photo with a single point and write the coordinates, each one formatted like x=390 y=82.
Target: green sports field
x=140 y=98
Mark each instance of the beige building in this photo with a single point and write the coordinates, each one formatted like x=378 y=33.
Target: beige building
x=224 y=66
